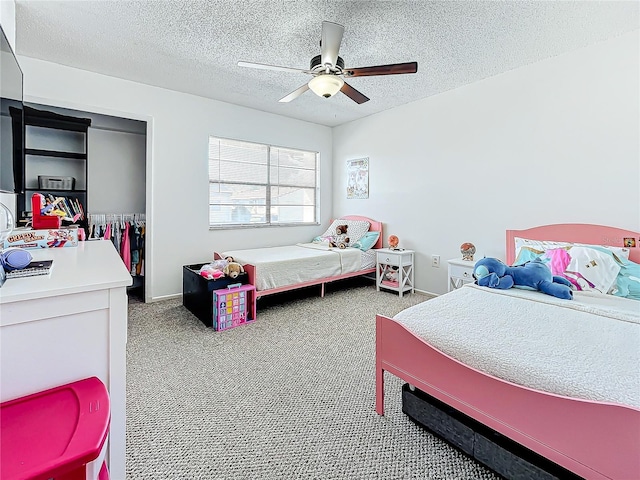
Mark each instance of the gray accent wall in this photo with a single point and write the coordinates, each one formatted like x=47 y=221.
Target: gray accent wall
x=116 y=171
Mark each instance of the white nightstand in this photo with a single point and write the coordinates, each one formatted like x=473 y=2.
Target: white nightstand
x=400 y=261
x=460 y=272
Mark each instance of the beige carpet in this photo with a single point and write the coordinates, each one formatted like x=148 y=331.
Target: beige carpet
x=290 y=396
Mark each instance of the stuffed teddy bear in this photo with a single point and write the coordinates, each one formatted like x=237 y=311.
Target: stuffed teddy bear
x=492 y=273
x=340 y=240
x=233 y=269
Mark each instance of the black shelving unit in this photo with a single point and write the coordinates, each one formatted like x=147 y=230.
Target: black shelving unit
x=54 y=153
x=53 y=157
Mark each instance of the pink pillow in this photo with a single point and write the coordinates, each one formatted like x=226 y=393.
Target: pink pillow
x=559 y=259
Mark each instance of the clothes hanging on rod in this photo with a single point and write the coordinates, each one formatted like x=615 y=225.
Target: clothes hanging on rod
x=126 y=232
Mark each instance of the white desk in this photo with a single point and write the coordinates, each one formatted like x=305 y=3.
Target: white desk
x=66 y=326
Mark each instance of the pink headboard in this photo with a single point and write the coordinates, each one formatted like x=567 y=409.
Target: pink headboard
x=374 y=226
x=578 y=233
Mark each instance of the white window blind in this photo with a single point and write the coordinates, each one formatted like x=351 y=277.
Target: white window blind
x=255 y=184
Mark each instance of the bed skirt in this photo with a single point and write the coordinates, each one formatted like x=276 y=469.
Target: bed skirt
x=495 y=451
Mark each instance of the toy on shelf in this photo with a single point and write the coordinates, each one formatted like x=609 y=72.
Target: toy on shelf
x=51 y=208
x=391 y=275
x=39 y=219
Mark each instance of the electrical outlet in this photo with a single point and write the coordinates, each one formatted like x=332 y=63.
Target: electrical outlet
x=435 y=261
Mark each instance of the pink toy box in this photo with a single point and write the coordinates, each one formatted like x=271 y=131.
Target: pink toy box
x=59 y=434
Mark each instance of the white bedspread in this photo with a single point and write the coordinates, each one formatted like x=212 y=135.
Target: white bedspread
x=585 y=348
x=293 y=264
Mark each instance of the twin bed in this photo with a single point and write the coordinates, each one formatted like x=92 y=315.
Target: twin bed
x=561 y=378
x=280 y=269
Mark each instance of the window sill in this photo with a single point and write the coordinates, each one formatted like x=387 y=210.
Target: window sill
x=261 y=225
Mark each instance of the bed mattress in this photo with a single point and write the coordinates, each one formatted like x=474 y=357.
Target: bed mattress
x=293 y=264
x=586 y=348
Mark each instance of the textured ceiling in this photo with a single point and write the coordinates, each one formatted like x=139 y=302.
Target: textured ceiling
x=194 y=46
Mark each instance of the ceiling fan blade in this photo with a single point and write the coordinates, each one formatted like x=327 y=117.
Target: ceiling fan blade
x=330 y=42
x=392 y=69
x=353 y=94
x=295 y=94
x=264 y=66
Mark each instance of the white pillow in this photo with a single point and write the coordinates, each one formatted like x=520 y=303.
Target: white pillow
x=620 y=252
x=355 y=229
x=544 y=245
x=592 y=269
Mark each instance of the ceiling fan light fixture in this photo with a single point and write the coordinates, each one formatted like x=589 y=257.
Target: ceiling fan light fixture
x=326 y=85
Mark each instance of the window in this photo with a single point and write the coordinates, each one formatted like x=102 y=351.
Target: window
x=255 y=184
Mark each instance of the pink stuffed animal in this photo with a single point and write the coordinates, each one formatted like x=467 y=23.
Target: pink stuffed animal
x=210 y=272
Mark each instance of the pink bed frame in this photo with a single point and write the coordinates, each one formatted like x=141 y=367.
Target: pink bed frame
x=374 y=226
x=595 y=440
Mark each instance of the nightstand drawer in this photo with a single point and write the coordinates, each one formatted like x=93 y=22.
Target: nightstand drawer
x=389 y=259
x=460 y=271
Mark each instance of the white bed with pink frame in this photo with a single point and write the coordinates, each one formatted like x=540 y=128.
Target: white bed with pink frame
x=311 y=262
x=593 y=439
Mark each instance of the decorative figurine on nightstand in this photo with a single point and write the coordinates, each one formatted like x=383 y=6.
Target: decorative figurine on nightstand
x=393 y=242
x=467 y=249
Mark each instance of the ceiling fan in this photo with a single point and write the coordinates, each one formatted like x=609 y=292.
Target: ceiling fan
x=328 y=69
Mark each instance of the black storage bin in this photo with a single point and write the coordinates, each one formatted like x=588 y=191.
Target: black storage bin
x=196 y=291
x=504 y=456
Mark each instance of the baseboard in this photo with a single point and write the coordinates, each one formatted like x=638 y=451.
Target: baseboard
x=425 y=292
x=163 y=297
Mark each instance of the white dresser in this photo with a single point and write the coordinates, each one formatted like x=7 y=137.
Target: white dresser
x=66 y=326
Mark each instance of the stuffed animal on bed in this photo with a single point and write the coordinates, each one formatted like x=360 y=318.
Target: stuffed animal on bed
x=534 y=275
x=340 y=240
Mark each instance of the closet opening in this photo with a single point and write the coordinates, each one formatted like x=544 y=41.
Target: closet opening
x=112 y=177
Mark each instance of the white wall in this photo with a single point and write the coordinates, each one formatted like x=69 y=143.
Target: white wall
x=177 y=148
x=554 y=142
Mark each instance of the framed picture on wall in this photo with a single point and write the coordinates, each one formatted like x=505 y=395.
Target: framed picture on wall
x=358 y=178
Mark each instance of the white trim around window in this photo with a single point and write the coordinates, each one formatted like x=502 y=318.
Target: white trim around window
x=252 y=184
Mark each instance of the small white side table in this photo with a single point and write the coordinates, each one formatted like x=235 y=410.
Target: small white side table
x=400 y=261
x=460 y=272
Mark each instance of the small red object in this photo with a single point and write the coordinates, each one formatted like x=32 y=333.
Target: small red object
x=54 y=433
x=39 y=220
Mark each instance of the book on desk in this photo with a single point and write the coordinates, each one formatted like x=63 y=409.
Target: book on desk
x=36 y=267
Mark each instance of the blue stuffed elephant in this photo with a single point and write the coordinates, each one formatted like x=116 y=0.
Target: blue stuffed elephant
x=492 y=273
